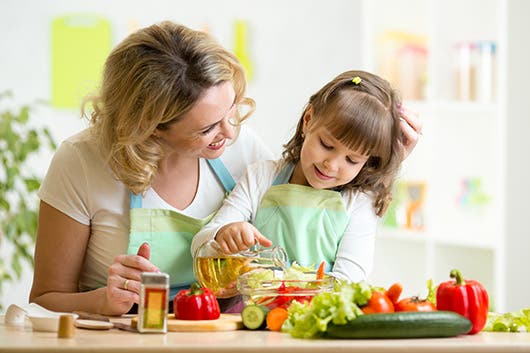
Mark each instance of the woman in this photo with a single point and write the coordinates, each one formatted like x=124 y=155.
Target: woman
x=148 y=169
x=170 y=101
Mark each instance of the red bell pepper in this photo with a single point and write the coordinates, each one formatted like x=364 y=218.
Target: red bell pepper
x=467 y=298
x=196 y=303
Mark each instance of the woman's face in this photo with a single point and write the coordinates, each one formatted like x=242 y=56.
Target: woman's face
x=203 y=131
x=325 y=162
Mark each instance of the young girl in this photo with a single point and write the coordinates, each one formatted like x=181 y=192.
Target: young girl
x=322 y=200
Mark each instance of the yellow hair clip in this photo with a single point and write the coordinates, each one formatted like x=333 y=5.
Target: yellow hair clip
x=356 y=80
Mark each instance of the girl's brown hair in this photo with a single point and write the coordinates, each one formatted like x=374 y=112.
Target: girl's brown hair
x=150 y=80
x=362 y=111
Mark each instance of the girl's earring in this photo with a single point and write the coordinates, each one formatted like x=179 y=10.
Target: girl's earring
x=303 y=136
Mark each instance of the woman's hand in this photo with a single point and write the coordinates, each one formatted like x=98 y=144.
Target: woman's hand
x=124 y=280
x=411 y=128
x=239 y=236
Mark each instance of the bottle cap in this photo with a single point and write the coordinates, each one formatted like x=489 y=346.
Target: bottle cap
x=155 y=278
x=66 y=326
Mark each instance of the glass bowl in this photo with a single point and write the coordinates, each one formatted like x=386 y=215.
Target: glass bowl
x=280 y=292
x=219 y=271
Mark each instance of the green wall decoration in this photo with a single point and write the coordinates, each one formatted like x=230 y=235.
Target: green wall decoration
x=80 y=43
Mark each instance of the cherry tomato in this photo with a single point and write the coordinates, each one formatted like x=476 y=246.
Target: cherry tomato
x=414 y=304
x=378 y=303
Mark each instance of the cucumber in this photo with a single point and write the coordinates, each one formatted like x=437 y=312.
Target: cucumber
x=254 y=316
x=406 y=324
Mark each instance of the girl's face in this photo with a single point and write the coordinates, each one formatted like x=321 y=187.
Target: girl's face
x=325 y=162
x=204 y=130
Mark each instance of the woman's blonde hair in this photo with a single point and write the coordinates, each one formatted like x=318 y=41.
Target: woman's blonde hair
x=150 y=80
x=362 y=111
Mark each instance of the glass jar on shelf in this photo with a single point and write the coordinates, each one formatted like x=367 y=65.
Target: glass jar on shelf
x=485 y=78
x=465 y=71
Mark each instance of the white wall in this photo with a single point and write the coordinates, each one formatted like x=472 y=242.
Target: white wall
x=518 y=169
x=296 y=47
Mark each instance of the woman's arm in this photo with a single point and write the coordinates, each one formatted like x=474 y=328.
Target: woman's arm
x=59 y=255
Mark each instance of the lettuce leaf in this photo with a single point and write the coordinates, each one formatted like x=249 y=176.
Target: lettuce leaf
x=517 y=321
x=310 y=320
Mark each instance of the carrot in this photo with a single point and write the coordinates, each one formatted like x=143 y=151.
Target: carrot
x=320 y=271
x=394 y=292
x=276 y=317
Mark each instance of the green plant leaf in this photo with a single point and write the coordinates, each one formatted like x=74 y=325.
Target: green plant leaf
x=32 y=184
x=10 y=230
x=19 y=140
x=16 y=265
x=4 y=204
x=23 y=115
x=51 y=141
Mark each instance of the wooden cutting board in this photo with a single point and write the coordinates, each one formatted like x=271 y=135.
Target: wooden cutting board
x=227 y=322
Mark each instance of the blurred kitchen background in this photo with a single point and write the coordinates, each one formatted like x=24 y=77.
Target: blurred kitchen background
x=462 y=65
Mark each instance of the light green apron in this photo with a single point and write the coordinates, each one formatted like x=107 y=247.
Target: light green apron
x=170 y=233
x=309 y=223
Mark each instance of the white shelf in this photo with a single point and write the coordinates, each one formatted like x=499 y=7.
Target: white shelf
x=462 y=141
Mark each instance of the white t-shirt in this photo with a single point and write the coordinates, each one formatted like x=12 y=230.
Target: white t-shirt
x=355 y=254
x=81 y=185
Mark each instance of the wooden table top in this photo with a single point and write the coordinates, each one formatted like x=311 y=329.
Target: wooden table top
x=24 y=339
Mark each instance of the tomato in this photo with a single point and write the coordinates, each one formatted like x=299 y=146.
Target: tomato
x=394 y=292
x=286 y=295
x=414 y=304
x=378 y=303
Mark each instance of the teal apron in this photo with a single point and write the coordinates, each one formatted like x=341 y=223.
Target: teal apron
x=170 y=233
x=309 y=223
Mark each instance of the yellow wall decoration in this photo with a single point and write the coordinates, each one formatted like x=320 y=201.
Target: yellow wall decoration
x=241 y=47
x=80 y=44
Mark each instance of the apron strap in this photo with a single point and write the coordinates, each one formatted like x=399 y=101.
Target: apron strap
x=135 y=200
x=285 y=175
x=220 y=171
x=222 y=174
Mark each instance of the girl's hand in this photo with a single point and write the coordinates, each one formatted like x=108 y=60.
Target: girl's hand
x=411 y=128
x=124 y=280
x=239 y=236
